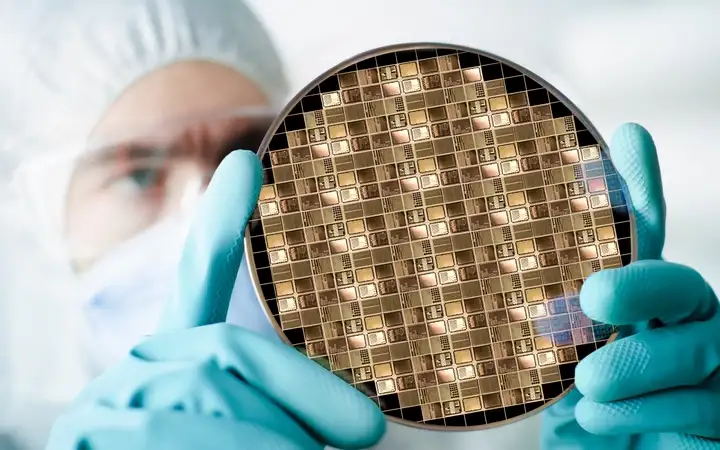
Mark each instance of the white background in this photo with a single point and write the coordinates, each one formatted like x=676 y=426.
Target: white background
x=653 y=62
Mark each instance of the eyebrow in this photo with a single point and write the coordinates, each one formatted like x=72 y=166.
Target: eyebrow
x=249 y=139
x=244 y=135
x=130 y=151
x=249 y=113
x=240 y=134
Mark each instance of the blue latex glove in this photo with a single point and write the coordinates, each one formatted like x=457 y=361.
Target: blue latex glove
x=657 y=386
x=202 y=384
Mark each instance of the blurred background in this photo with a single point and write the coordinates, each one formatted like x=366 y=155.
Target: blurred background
x=654 y=62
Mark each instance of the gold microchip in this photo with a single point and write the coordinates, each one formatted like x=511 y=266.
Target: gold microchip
x=426 y=233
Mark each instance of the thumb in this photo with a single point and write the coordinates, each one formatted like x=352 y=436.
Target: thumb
x=634 y=156
x=214 y=247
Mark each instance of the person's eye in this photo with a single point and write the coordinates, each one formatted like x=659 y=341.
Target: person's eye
x=145 y=178
x=141 y=180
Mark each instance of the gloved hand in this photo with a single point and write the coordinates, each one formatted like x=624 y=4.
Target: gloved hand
x=202 y=384
x=656 y=387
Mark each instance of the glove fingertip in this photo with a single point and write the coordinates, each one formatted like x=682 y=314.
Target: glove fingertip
x=586 y=415
x=355 y=422
x=583 y=375
x=338 y=414
x=239 y=174
x=634 y=155
x=367 y=431
x=587 y=381
x=597 y=296
x=632 y=128
x=630 y=137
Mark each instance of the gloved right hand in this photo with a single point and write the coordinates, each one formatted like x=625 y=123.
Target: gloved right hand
x=200 y=383
x=657 y=386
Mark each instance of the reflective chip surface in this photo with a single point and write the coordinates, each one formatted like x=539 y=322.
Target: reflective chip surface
x=426 y=223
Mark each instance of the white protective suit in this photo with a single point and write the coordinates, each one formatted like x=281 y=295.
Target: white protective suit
x=65 y=62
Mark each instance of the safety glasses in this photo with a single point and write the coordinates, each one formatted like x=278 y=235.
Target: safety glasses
x=122 y=183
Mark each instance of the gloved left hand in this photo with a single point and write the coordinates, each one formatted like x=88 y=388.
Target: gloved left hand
x=656 y=387
x=202 y=384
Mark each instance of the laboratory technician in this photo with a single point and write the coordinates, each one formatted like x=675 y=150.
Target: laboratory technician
x=136 y=117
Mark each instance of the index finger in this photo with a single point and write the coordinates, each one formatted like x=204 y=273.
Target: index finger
x=333 y=410
x=648 y=290
x=214 y=247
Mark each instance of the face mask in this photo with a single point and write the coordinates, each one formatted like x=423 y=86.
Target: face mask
x=125 y=292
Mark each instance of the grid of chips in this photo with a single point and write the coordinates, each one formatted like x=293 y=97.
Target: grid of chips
x=427 y=220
